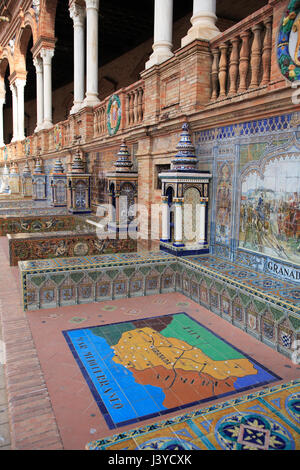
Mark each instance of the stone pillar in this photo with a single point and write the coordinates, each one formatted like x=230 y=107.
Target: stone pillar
x=203 y=22
x=234 y=66
x=244 y=61
x=92 y=98
x=178 y=232
x=77 y=14
x=38 y=63
x=223 y=70
x=163 y=31
x=201 y=223
x=165 y=222
x=2 y=101
x=117 y=213
x=20 y=85
x=47 y=55
x=14 y=111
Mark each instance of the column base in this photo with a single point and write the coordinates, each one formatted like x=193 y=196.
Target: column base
x=79 y=211
x=184 y=250
x=46 y=125
x=77 y=107
x=38 y=128
x=91 y=101
x=165 y=240
x=178 y=244
x=160 y=54
x=203 y=28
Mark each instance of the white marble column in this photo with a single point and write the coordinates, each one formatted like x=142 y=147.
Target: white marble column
x=165 y=221
x=92 y=98
x=20 y=85
x=14 y=111
x=47 y=55
x=2 y=102
x=178 y=229
x=163 y=32
x=203 y=22
x=201 y=222
x=38 y=63
x=77 y=13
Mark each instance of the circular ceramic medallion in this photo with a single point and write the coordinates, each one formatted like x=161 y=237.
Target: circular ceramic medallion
x=288 y=42
x=113 y=114
x=81 y=249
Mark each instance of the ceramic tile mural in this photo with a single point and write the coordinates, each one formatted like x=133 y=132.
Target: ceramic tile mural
x=149 y=367
x=33 y=224
x=63 y=244
x=255 y=209
x=223 y=203
x=270 y=209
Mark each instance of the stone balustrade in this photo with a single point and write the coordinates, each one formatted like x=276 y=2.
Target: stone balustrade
x=242 y=56
x=67 y=133
x=234 y=63
x=100 y=127
x=134 y=104
x=78 y=128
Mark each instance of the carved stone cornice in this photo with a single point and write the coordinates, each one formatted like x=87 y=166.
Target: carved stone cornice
x=43 y=43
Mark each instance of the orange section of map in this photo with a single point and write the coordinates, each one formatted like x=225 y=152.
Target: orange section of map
x=181 y=386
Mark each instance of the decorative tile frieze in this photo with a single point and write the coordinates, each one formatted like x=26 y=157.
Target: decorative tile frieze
x=222 y=286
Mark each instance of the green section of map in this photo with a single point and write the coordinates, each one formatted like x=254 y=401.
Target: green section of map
x=184 y=328
x=112 y=333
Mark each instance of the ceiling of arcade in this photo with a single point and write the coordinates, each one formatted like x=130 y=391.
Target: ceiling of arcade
x=123 y=25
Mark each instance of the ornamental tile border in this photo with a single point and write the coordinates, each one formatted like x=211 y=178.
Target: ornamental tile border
x=101 y=444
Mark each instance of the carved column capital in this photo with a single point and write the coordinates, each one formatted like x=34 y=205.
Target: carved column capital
x=92 y=4
x=38 y=63
x=20 y=83
x=13 y=89
x=77 y=13
x=47 y=55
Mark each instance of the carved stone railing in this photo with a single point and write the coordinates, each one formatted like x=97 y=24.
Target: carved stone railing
x=67 y=137
x=242 y=56
x=100 y=120
x=134 y=104
x=82 y=127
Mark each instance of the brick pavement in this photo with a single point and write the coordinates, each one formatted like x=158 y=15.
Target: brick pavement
x=32 y=421
x=4 y=418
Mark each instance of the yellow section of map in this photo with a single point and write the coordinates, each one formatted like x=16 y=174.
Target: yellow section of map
x=143 y=348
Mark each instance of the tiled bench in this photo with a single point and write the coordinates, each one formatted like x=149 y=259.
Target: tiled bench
x=249 y=300
x=44 y=245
